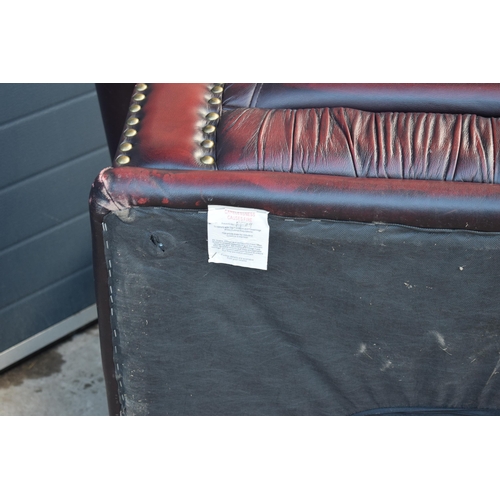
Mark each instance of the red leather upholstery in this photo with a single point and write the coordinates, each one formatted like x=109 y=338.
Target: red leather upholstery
x=172 y=124
x=353 y=143
x=418 y=145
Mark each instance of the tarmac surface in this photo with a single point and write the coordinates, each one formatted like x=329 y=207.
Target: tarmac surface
x=63 y=379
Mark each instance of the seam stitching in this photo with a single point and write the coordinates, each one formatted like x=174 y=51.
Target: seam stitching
x=114 y=338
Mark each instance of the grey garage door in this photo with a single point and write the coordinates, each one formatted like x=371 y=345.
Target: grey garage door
x=52 y=145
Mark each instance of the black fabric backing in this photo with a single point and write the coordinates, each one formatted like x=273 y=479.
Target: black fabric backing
x=348 y=318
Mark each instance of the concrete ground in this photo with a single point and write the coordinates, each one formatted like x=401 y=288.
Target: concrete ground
x=63 y=379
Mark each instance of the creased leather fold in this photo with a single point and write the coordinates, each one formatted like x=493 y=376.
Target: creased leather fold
x=354 y=143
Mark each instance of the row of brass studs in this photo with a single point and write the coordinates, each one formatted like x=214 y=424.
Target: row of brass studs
x=132 y=120
x=209 y=128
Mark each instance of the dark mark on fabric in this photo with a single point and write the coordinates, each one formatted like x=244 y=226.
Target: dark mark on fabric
x=157 y=242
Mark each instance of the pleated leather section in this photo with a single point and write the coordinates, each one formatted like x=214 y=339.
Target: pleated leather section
x=354 y=143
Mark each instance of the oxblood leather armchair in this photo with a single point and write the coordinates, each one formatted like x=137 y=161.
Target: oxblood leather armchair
x=380 y=294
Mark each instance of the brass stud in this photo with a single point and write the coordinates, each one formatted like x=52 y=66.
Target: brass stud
x=207 y=160
x=122 y=160
x=141 y=86
x=133 y=120
x=214 y=100
x=138 y=97
x=209 y=129
x=135 y=108
x=217 y=89
x=126 y=146
x=130 y=132
x=207 y=143
x=212 y=116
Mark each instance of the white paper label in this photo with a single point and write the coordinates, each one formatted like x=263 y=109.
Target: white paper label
x=238 y=236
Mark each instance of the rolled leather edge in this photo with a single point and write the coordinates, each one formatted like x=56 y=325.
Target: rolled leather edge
x=418 y=203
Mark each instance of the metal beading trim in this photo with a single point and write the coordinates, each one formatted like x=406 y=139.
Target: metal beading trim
x=212 y=117
x=129 y=132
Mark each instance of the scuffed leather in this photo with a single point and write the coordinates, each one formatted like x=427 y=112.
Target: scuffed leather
x=460 y=98
x=442 y=205
x=353 y=143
